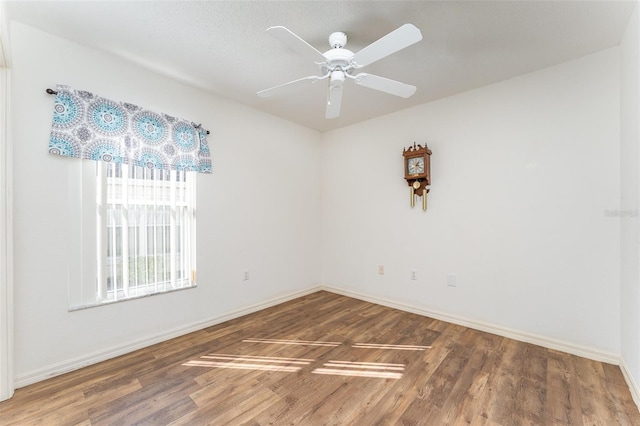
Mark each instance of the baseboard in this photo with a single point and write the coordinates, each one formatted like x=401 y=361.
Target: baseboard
x=583 y=351
x=633 y=386
x=108 y=353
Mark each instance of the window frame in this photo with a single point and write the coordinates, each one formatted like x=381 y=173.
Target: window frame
x=88 y=226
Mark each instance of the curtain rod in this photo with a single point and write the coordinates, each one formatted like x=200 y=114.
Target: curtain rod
x=53 y=92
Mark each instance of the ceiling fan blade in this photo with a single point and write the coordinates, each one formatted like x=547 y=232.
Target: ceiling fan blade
x=296 y=43
x=396 y=40
x=334 y=100
x=385 y=85
x=288 y=87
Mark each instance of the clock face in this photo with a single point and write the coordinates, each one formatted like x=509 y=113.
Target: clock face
x=415 y=166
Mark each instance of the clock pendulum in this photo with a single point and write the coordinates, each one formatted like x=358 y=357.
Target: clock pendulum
x=424 y=199
x=414 y=186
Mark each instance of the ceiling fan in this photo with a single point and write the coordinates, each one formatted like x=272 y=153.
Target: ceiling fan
x=338 y=64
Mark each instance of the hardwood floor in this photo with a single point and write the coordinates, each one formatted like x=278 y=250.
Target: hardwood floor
x=326 y=359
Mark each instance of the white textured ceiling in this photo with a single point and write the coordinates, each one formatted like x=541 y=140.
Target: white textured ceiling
x=222 y=46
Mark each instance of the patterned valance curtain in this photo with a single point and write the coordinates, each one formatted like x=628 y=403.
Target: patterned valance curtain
x=88 y=126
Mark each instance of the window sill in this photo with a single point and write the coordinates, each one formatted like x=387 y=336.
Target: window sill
x=141 y=296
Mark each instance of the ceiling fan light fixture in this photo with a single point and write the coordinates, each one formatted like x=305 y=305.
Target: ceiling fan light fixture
x=337 y=78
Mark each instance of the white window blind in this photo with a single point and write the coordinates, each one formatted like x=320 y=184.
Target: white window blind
x=132 y=232
x=146 y=230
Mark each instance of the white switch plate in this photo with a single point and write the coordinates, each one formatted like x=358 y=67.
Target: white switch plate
x=246 y=275
x=381 y=269
x=451 y=280
x=414 y=276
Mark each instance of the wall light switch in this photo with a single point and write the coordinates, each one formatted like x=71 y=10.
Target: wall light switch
x=246 y=275
x=413 y=274
x=381 y=269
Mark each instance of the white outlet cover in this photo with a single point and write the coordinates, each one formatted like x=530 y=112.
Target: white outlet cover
x=451 y=280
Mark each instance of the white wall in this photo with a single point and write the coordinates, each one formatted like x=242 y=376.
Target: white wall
x=630 y=200
x=254 y=211
x=523 y=172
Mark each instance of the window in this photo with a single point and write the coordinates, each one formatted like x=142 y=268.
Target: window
x=132 y=216
x=146 y=220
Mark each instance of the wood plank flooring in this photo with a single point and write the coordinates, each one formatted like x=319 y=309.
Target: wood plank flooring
x=325 y=359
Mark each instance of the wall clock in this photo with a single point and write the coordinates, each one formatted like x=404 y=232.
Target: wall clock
x=417 y=172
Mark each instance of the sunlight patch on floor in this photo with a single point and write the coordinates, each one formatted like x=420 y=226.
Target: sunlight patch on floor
x=380 y=370
x=291 y=365
x=293 y=342
x=248 y=362
x=396 y=347
x=368 y=365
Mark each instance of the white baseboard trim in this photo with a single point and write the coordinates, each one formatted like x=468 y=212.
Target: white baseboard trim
x=547 y=342
x=108 y=353
x=633 y=386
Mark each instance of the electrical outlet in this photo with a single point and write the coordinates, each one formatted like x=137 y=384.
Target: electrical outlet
x=413 y=274
x=451 y=280
x=246 y=275
x=381 y=269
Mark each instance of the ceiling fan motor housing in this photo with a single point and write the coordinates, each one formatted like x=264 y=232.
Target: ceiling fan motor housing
x=337 y=59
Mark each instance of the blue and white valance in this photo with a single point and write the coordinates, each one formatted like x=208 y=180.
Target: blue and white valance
x=88 y=126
